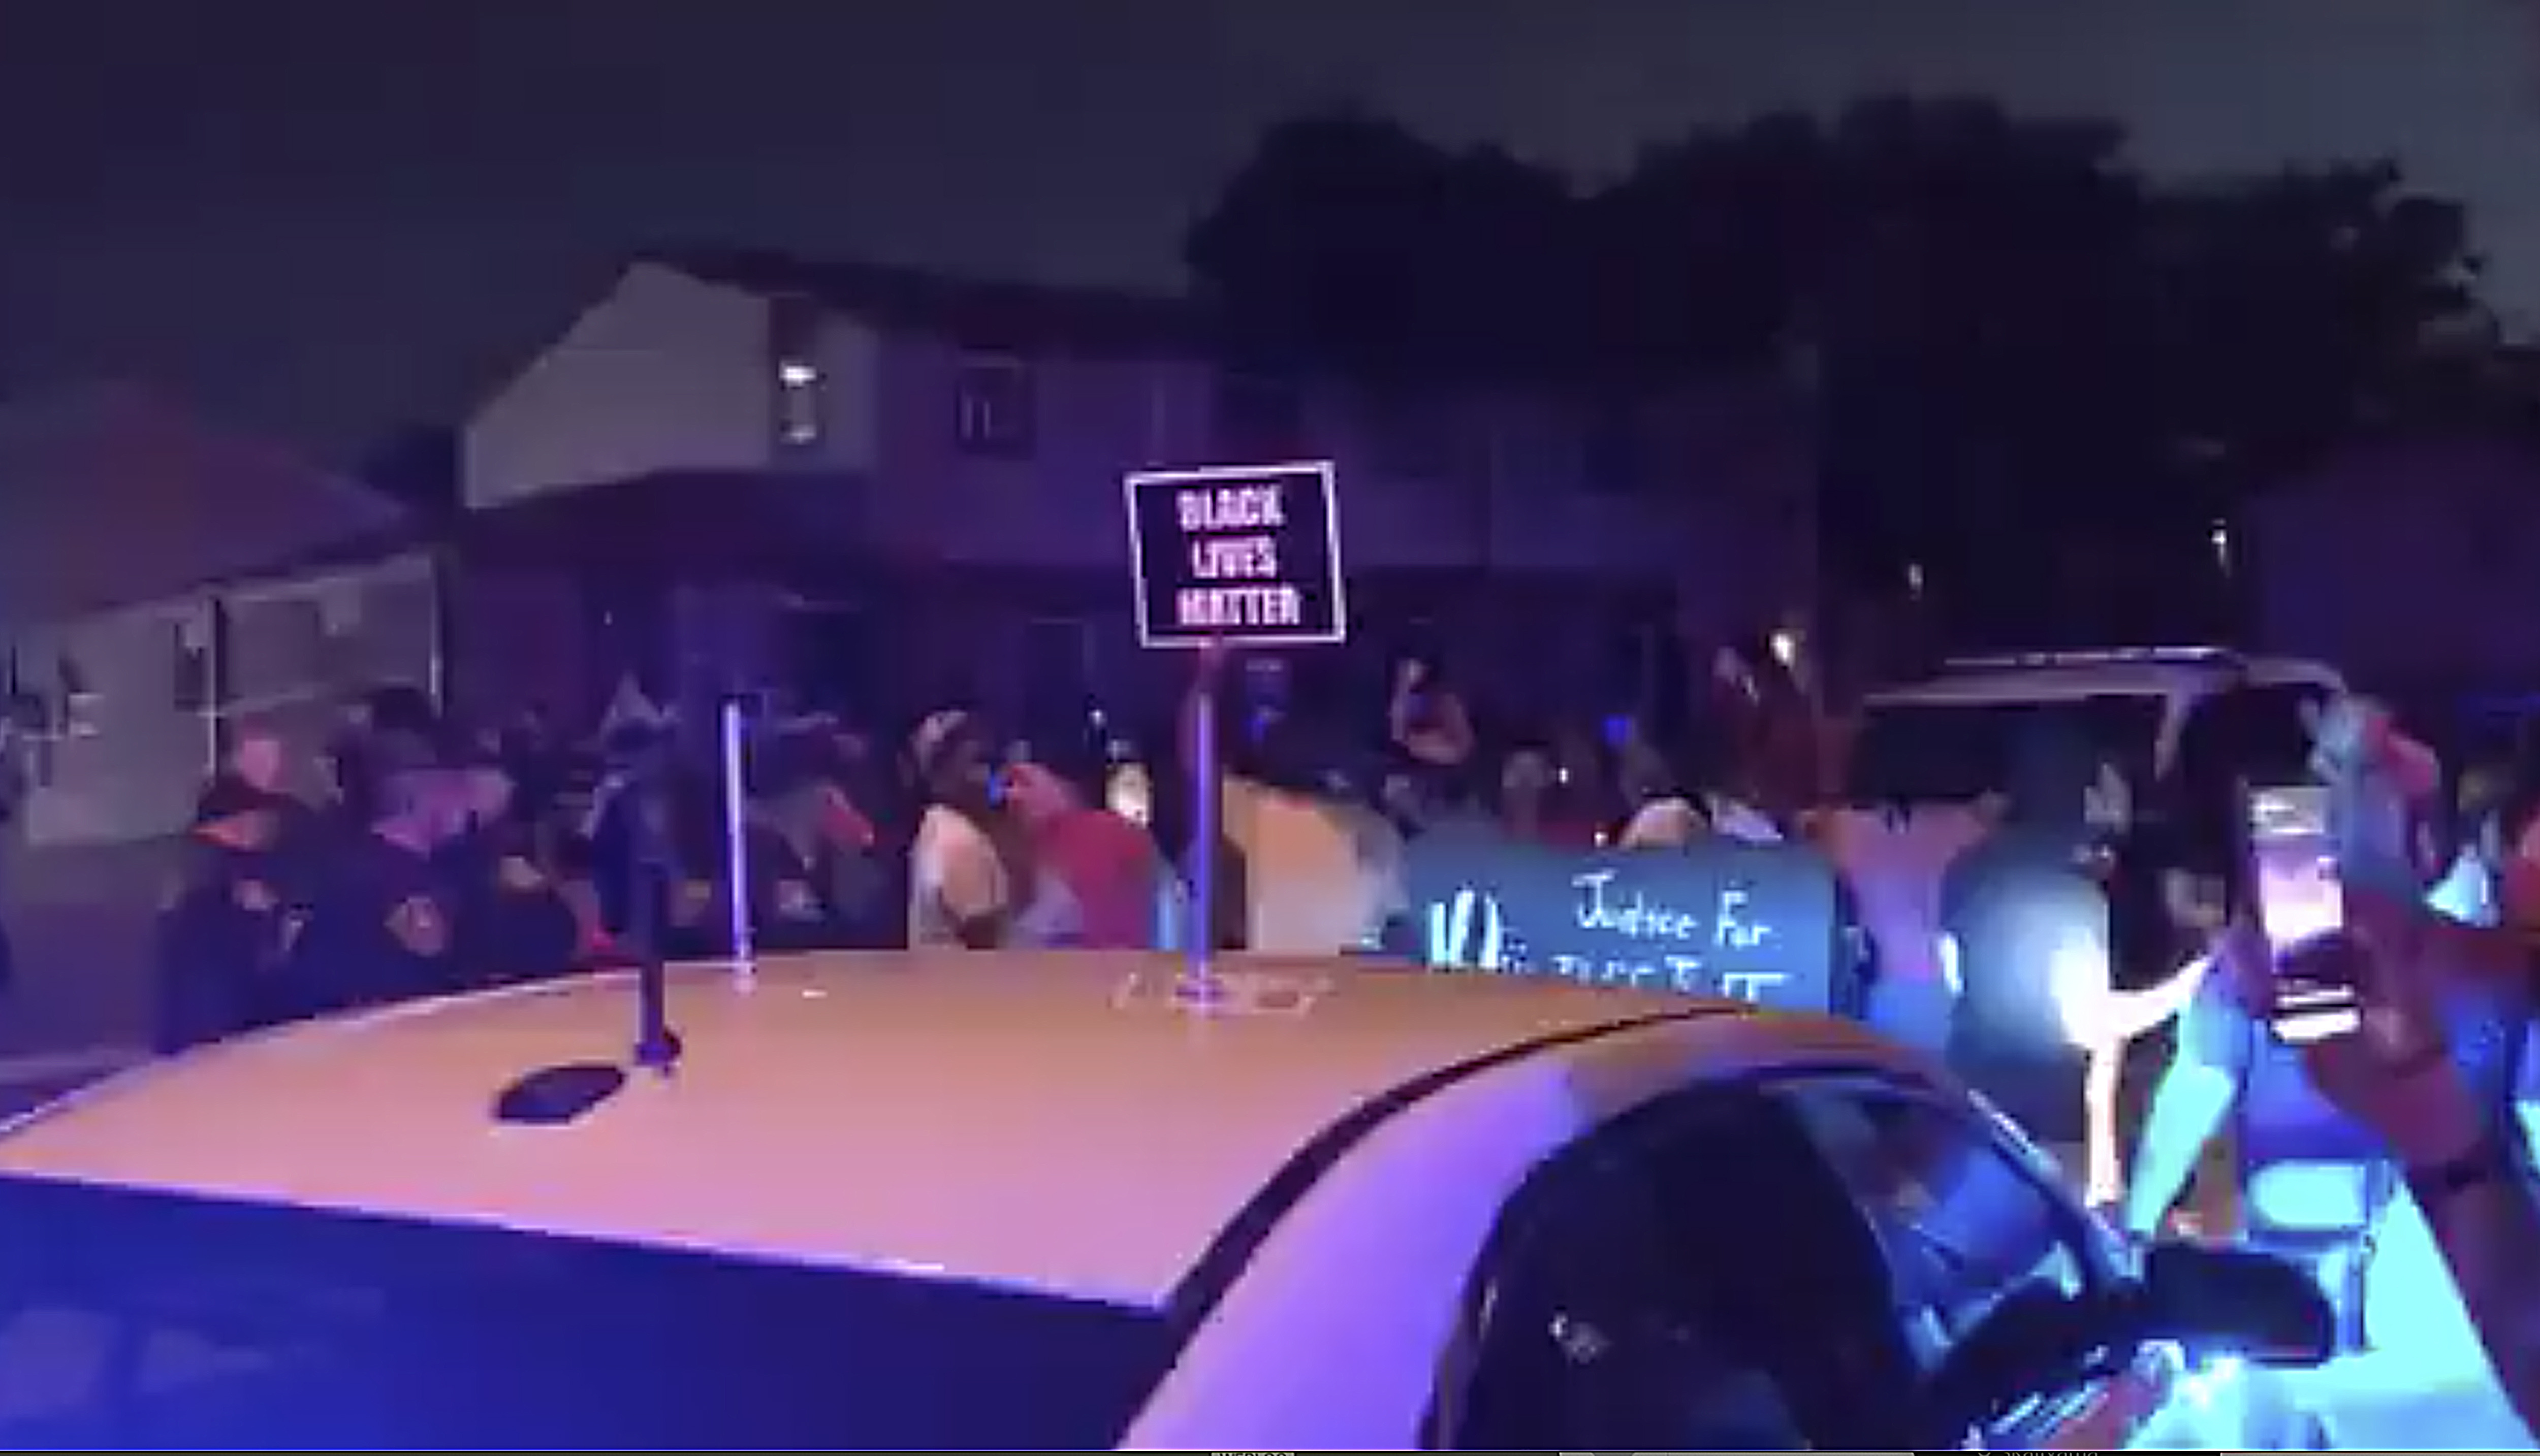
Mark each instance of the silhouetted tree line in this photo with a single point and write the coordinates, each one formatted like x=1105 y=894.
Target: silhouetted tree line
x=2009 y=331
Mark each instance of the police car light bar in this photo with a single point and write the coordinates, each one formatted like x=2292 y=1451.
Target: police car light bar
x=2173 y=656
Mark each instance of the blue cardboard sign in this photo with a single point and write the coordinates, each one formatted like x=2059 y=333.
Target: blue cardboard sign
x=1755 y=922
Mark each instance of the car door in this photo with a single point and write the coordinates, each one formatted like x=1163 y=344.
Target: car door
x=1965 y=1212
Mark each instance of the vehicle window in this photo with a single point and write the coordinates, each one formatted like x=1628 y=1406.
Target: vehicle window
x=1690 y=1279
x=1916 y=752
x=1962 y=1219
x=2261 y=732
x=138 y=1320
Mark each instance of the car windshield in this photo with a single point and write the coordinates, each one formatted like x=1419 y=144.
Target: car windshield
x=1918 y=751
x=141 y=1320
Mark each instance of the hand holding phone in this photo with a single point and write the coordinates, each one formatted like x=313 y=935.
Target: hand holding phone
x=2298 y=888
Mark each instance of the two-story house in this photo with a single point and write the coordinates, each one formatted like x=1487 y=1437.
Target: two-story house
x=918 y=482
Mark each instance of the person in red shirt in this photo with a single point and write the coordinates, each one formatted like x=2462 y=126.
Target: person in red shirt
x=1105 y=864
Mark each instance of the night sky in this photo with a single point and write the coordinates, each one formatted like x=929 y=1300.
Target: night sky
x=330 y=219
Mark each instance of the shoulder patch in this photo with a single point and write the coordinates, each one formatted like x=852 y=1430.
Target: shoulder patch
x=419 y=927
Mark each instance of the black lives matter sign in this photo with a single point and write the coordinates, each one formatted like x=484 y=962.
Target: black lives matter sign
x=1245 y=556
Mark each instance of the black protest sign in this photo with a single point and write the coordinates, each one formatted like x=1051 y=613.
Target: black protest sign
x=1242 y=556
x=1754 y=923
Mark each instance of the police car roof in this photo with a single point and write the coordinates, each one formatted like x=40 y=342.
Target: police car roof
x=2038 y=677
x=1053 y=1122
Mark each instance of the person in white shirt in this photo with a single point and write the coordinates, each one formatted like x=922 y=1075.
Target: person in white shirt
x=961 y=890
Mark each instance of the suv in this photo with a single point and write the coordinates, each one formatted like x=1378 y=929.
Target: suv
x=1961 y=734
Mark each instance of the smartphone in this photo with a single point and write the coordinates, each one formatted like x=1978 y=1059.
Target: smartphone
x=2298 y=879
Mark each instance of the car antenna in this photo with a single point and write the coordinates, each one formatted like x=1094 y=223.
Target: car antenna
x=657 y=1046
x=552 y=1096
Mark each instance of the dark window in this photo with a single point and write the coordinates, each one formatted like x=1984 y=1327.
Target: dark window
x=1964 y=1219
x=993 y=406
x=144 y=1321
x=2262 y=733
x=1258 y=417
x=1691 y=1278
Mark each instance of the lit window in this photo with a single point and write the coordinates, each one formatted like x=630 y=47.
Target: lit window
x=797 y=401
x=993 y=406
x=794 y=352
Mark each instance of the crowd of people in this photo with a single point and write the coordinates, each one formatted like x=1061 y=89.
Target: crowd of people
x=417 y=856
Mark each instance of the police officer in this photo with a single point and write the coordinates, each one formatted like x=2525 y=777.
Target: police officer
x=382 y=924
x=512 y=922
x=220 y=933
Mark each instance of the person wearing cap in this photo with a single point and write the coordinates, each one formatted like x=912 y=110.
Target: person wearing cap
x=961 y=890
x=220 y=933
x=382 y=924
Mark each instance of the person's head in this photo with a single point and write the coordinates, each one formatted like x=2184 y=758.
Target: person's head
x=1039 y=794
x=1129 y=791
x=952 y=760
x=259 y=762
x=1526 y=778
x=234 y=814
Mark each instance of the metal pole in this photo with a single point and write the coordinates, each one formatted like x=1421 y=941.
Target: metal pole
x=735 y=837
x=1204 y=784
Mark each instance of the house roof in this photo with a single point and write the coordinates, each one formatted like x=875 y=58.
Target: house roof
x=1025 y=316
x=113 y=495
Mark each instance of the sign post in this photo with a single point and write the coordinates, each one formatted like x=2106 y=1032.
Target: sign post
x=1226 y=557
x=735 y=726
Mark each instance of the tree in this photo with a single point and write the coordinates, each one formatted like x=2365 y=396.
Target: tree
x=2017 y=343
x=1346 y=241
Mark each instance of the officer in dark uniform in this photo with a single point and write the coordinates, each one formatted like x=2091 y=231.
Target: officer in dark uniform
x=512 y=922
x=381 y=925
x=221 y=933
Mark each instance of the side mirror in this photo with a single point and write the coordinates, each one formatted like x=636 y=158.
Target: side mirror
x=2210 y=1300
x=2234 y=1301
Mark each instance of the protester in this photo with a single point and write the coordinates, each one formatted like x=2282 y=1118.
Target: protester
x=1108 y=868
x=2317 y=1187
x=1894 y=864
x=1429 y=724
x=963 y=888
x=2462 y=1169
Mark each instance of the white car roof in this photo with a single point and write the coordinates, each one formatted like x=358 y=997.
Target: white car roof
x=2057 y=680
x=1047 y=1121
